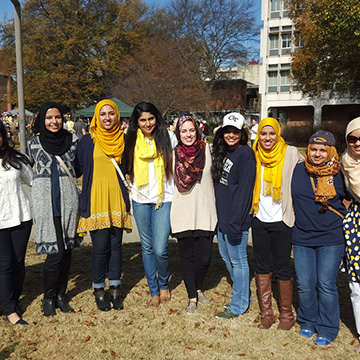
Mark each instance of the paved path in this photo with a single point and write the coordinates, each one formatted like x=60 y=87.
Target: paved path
x=128 y=237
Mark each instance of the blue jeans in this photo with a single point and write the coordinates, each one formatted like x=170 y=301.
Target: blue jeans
x=154 y=230
x=235 y=258
x=317 y=268
x=106 y=254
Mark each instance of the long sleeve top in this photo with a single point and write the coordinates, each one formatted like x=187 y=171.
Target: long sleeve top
x=311 y=227
x=234 y=192
x=14 y=203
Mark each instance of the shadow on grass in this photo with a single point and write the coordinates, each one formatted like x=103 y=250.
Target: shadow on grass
x=6 y=352
x=133 y=272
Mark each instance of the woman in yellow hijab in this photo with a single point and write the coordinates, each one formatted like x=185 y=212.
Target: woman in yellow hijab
x=149 y=155
x=273 y=220
x=104 y=201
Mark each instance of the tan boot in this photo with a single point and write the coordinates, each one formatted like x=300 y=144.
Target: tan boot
x=287 y=320
x=263 y=286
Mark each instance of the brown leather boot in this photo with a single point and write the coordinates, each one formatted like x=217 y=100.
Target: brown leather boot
x=263 y=286
x=287 y=320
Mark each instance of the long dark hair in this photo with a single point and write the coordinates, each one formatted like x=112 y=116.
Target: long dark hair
x=219 y=151
x=160 y=135
x=10 y=157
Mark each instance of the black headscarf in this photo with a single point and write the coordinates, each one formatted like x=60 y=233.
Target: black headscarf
x=54 y=143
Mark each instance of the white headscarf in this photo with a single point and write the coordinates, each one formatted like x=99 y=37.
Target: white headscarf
x=350 y=163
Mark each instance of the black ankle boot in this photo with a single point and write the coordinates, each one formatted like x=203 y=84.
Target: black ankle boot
x=63 y=304
x=101 y=299
x=50 y=281
x=49 y=307
x=115 y=297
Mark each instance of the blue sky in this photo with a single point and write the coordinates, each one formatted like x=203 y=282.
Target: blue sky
x=7 y=9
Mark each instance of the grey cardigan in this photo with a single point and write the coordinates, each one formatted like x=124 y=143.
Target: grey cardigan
x=45 y=235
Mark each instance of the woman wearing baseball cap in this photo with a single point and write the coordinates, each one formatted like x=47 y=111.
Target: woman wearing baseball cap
x=273 y=219
x=233 y=172
x=318 y=190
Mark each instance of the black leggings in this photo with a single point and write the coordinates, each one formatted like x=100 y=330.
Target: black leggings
x=13 y=243
x=57 y=266
x=195 y=256
x=272 y=248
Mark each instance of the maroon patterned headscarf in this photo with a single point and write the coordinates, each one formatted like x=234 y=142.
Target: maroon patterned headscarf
x=189 y=160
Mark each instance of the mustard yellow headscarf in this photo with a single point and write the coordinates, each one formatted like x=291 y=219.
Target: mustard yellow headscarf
x=145 y=149
x=273 y=161
x=111 y=142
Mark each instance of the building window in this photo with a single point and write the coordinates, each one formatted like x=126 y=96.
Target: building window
x=274 y=44
x=275 y=9
x=275 y=5
x=284 y=80
x=286 y=44
x=272 y=79
x=285 y=10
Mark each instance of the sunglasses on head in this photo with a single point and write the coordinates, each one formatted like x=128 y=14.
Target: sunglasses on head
x=352 y=139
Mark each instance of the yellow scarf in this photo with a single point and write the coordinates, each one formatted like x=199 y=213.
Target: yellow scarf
x=111 y=142
x=145 y=149
x=273 y=161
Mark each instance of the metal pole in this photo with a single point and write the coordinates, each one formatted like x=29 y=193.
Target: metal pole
x=19 y=74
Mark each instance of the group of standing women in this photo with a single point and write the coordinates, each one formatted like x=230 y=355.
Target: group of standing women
x=178 y=185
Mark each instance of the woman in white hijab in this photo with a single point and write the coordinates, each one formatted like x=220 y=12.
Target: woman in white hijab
x=350 y=166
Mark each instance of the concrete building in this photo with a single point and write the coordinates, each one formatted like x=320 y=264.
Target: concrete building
x=280 y=97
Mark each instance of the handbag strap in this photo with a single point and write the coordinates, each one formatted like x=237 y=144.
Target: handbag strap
x=122 y=177
x=60 y=160
x=329 y=207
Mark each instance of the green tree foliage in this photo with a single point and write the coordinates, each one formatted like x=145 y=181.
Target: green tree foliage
x=220 y=31
x=72 y=49
x=328 y=60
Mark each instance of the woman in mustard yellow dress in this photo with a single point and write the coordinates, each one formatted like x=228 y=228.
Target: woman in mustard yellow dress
x=104 y=201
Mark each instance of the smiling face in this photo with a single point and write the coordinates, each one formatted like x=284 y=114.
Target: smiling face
x=318 y=154
x=53 y=120
x=267 y=137
x=353 y=140
x=232 y=137
x=188 y=133
x=107 y=117
x=147 y=123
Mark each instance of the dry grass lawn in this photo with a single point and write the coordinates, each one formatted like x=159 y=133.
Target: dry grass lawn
x=163 y=333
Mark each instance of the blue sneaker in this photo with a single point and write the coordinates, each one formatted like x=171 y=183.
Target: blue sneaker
x=306 y=333
x=322 y=341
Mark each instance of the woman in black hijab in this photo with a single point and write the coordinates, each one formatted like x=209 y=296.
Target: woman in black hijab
x=55 y=202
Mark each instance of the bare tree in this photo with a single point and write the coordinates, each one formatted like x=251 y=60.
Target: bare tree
x=158 y=73
x=219 y=29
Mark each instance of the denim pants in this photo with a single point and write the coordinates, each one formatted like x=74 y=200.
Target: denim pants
x=235 y=258
x=317 y=268
x=154 y=230
x=106 y=255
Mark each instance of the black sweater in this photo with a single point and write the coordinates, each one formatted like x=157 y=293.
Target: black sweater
x=234 y=192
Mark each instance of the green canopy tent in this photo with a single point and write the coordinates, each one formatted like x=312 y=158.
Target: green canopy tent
x=125 y=109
